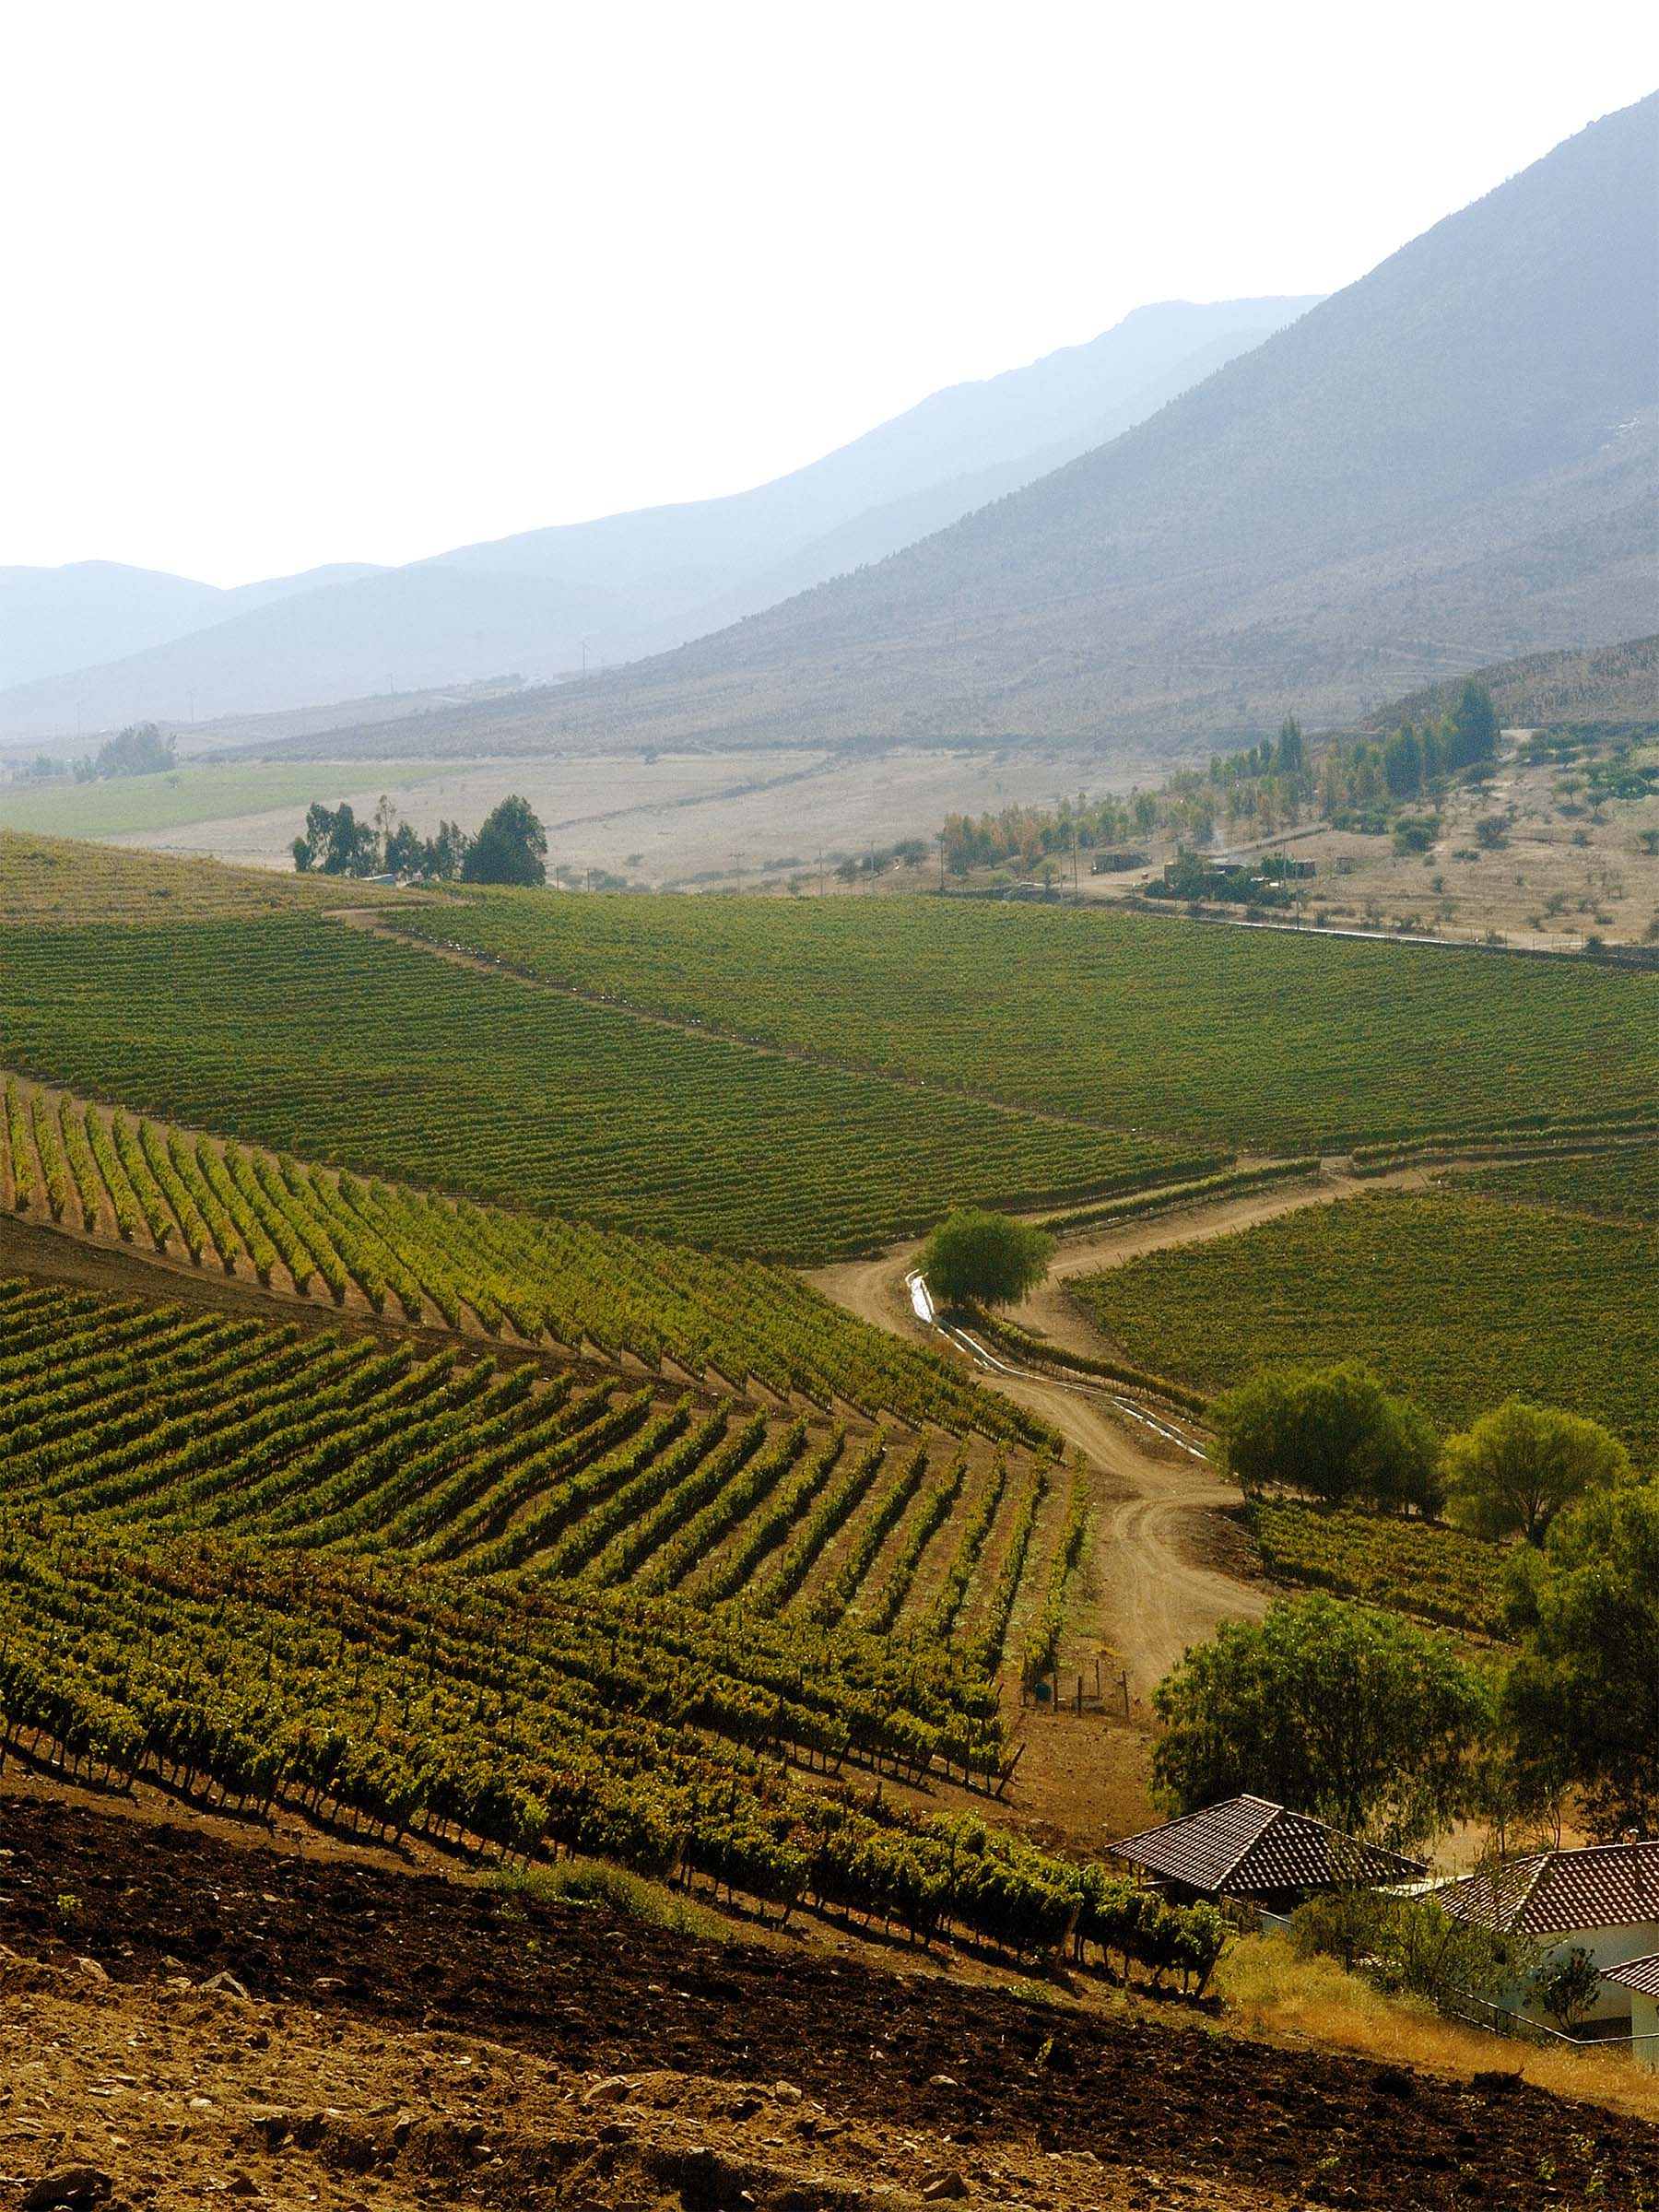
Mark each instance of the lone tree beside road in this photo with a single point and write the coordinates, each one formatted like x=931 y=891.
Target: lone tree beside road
x=979 y=1258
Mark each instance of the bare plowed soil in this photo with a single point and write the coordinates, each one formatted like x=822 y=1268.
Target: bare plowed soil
x=408 y=2039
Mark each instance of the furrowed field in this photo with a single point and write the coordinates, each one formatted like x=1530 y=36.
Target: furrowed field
x=1457 y=1301
x=1225 y=1037
x=318 y=1038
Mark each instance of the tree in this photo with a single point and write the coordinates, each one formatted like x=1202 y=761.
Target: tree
x=1568 y=1986
x=1358 y=1718
x=1333 y=1433
x=337 y=843
x=1582 y=1698
x=1292 y=747
x=511 y=847
x=1473 y=726
x=1520 y=1465
x=984 y=1259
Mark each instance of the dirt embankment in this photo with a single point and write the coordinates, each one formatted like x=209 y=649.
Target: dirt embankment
x=404 y=2039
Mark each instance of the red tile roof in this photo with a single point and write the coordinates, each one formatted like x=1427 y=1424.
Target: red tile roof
x=1250 y=1847
x=1639 y=1974
x=1553 y=1892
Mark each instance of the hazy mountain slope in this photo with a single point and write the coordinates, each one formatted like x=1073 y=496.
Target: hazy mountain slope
x=636 y=582
x=1016 y=425
x=1449 y=462
x=59 y=620
x=395 y=628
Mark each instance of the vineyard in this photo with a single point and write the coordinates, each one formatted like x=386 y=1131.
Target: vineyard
x=62 y=881
x=1624 y=1184
x=429 y=1595
x=636 y=1729
x=368 y=1246
x=187 y=1423
x=444 y=1077
x=1411 y=1566
x=1458 y=1300
x=1274 y=1042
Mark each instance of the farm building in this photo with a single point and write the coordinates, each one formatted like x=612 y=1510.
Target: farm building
x=1259 y=1854
x=1640 y=1977
x=1601 y=1897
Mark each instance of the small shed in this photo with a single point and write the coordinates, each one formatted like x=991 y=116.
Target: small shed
x=1599 y=1898
x=1640 y=1977
x=1261 y=1853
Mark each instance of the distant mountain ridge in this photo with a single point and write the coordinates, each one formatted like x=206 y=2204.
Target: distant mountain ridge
x=56 y=619
x=1450 y=463
x=624 y=585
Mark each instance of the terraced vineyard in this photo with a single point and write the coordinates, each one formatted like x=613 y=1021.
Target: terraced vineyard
x=408 y=1256
x=1226 y=1038
x=1412 y=1566
x=634 y=1728
x=185 y=1423
x=1458 y=1300
x=431 y=1594
x=314 y=1038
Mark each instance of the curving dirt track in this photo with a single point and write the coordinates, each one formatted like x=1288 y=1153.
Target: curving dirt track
x=1171 y=1568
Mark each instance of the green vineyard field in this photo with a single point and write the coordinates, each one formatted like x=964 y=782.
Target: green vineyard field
x=408 y=1256
x=318 y=1038
x=1412 y=1566
x=1222 y=1037
x=634 y=1728
x=426 y=1594
x=59 y=880
x=1458 y=1300
x=1624 y=1184
x=190 y=1422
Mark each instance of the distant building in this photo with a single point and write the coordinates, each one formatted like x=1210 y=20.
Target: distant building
x=1602 y=1898
x=1259 y=1854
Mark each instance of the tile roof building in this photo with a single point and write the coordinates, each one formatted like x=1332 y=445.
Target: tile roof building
x=1603 y=1899
x=1253 y=1850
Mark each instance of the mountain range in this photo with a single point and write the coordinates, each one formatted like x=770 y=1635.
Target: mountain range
x=1450 y=463
x=97 y=644
x=1161 y=541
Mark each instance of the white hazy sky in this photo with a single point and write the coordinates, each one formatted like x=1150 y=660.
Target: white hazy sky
x=292 y=283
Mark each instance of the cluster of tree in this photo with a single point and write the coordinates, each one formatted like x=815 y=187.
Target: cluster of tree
x=1354 y=783
x=139 y=750
x=1379 y=1726
x=511 y=846
x=1337 y=1436
x=1376 y=1725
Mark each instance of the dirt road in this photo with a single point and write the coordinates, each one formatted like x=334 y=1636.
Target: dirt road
x=1171 y=1567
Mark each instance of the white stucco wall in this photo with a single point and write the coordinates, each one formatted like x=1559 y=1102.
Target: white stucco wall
x=1606 y=1947
x=1645 y=2029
